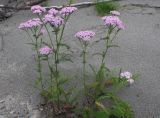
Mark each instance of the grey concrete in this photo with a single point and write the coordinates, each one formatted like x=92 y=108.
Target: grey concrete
x=62 y=2
x=139 y=53
x=149 y=2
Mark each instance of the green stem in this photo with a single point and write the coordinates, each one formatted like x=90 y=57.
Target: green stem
x=60 y=38
x=70 y=2
x=105 y=52
x=63 y=27
x=29 y=36
x=114 y=37
x=100 y=74
x=39 y=65
x=51 y=75
x=47 y=31
x=84 y=67
x=56 y=69
x=106 y=48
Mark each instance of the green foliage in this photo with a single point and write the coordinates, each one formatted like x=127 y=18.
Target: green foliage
x=118 y=109
x=100 y=114
x=104 y=8
x=45 y=3
x=71 y=1
x=121 y=109
x=56 y=87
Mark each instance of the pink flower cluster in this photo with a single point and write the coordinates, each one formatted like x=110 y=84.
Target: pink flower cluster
x=85 y=35
x=53 y=12
x=127 y=75
x=35 y=22
x=38 y=9
x=113 y=21
x=45 y=50
x=67 y=10
x=55 y=21
x=115 y=13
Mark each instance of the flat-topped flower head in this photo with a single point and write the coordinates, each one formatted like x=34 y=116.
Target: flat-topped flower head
x=115 y=13
x=55 y=21
x=113 y=21
x=126 y=75
x=67 y=10
x=48 y=18
x=85 y=35
x=53 y=11
x=37 y=9
x=45 y=50
x=35 y=22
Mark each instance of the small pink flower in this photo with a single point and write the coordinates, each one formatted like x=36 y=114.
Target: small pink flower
x=38 y=9
x=35 y=22
x=45 y=50
x=67 y=10
x=53 y=12
x=85 y=35
x=48 y=18
x=115 y=13
x=57 y=21
x=130 y=81
x=126 y=75
x=54 y=21
x=113 y=21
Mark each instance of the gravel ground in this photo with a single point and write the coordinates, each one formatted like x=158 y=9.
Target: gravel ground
x=139 y=53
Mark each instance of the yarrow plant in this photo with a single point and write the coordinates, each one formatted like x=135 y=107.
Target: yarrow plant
x=84 y=37
x=49 y=52
x=54 y=51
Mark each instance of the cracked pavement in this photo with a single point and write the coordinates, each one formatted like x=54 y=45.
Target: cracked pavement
x=139 y=52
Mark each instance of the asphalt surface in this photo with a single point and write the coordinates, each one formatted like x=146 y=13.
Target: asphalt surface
x=139 y=52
